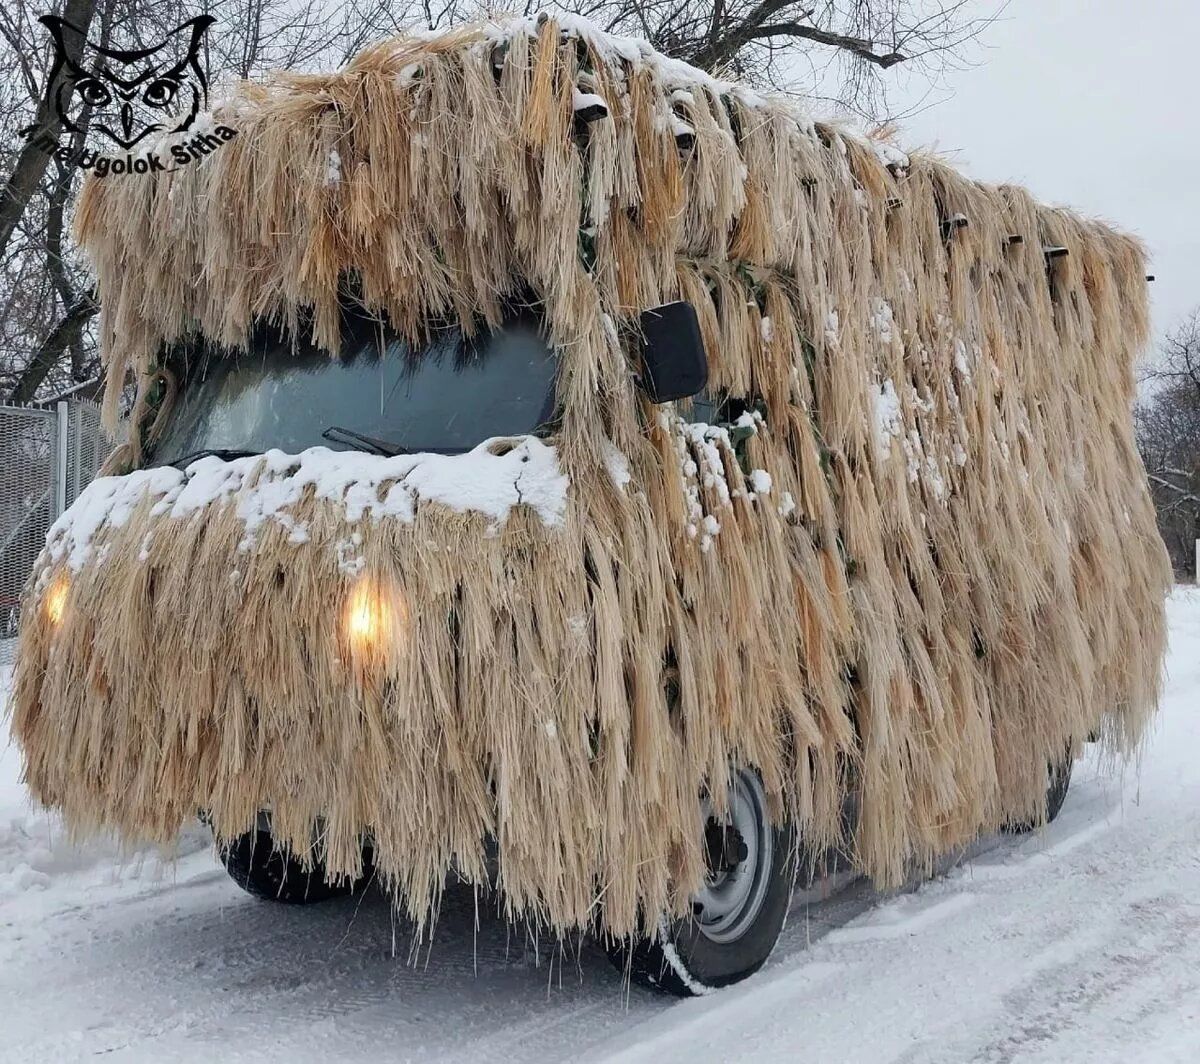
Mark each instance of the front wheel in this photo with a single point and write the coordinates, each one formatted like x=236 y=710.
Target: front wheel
x=1058 y=781
x=739 y=912
x=259 y=868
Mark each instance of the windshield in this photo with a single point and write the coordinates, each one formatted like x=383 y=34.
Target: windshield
x=448 y=395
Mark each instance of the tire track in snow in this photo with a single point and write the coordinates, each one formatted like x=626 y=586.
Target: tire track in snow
x=1149 y=940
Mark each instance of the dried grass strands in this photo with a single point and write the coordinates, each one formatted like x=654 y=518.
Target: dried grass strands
x=952 y=577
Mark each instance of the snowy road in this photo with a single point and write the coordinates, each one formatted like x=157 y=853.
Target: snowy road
x=1080 y=944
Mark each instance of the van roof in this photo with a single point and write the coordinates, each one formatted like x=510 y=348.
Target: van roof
x=444 y=169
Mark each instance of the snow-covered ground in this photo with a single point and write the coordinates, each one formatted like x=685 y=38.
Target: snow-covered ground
x=1079 y=944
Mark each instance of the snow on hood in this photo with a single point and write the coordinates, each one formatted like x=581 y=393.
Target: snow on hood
x=497 y=475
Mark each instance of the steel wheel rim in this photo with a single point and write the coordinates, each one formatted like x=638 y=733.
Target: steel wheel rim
x=729 y=903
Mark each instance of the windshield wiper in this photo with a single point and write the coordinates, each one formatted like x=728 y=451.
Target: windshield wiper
x=226 y=454
x=369 y=443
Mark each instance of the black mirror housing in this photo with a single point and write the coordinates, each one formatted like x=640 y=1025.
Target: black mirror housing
x=674 y=362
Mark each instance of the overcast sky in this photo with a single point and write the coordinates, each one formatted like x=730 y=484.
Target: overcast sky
x=1093 y=104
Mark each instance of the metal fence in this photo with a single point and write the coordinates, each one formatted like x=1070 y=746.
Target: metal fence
x=48 y=454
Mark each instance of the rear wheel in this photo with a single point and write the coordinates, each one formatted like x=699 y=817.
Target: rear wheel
x=739 y=912
x=259 y=868
x=1058 y=782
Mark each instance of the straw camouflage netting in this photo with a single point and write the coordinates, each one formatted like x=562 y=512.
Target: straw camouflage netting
x=922 y=564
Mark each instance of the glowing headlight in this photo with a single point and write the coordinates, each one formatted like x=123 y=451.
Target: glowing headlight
x=373 y=617
x=55 y=602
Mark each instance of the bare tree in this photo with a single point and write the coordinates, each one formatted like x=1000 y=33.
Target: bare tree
x=30 y=164
x=1168 y=432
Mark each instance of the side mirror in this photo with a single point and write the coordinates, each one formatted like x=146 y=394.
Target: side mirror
x=674 y=364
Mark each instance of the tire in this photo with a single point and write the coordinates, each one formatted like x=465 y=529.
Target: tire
x=260 y=869
x=1057 y=785
x=738 y=914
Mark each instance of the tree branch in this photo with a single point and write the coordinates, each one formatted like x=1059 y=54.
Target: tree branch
x=857 y=46
x=1173 y=487
x=48 y=354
